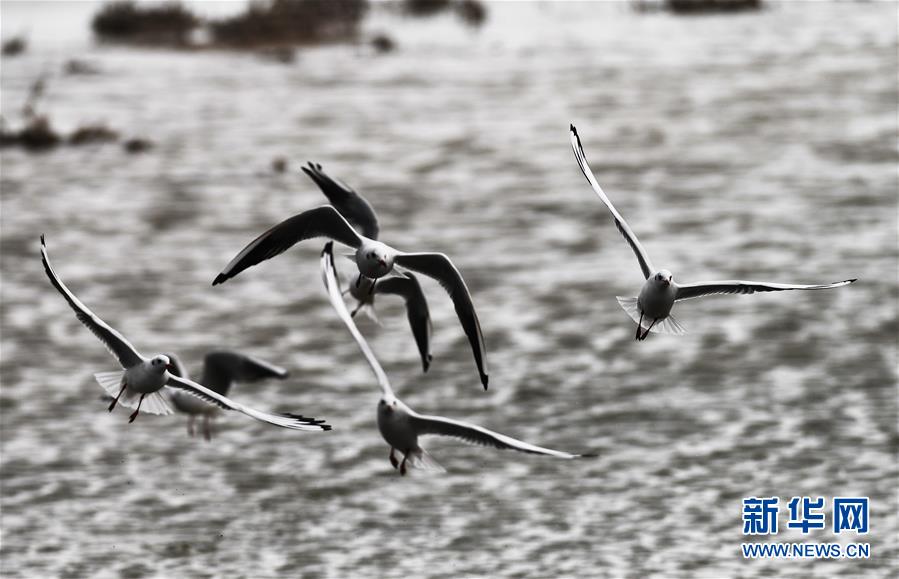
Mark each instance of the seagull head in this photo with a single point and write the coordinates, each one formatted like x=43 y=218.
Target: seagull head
x=161 y=363
x=376 y=260
x=387 y=405
x=663 y=278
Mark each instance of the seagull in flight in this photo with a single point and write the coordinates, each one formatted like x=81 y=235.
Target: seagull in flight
x=652 y=307
x=374 y=260
x=140 y=383
x=221 y=369
x=360 y=214
x=400 y=425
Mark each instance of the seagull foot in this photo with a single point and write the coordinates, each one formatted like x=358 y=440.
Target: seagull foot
x=137 y=410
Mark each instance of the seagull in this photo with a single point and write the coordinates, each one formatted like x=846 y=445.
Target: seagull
x=221 y=369
x=360 y=214
x=374 y=260
x=652 y=308
x=400 y=425
x=141 y=381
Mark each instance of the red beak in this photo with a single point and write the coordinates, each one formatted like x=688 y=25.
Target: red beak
x=383 y=263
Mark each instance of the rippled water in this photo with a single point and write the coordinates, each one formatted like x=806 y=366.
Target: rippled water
x=760 y=146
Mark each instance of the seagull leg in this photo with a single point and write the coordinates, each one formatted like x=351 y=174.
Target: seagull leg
x=136 y=412
x=116 y=399
x=356 y=311
x=393 y=460
x=371 y=288
x=639 y=327
x=403 y=464
x=190 y=425
x=207 y=428
x=654 y=320
x=359 y=280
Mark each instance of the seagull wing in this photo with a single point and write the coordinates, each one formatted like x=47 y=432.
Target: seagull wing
x=474 y=434
x=417 y=311
x=322 y=221
x=642 y=257
x=332 y=286
x=736 y=286
x=221 y=368
x=292 y=421
x=115 y=342
x=439 y=267
x=354 y=207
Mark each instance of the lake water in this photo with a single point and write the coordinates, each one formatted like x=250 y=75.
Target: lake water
x=758 y=146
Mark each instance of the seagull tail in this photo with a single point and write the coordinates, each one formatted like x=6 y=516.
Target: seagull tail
x=420 y=459
x=629 y=305
x=370 y=313
x=154 y=402
x=668 y=325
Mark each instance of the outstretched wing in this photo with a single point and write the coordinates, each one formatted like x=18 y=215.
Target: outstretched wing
x=620 y=223
x=417 y=310
x=292 y=421
x=221 y=368
x=322 y=221
x=736 y=286
x=332 y=286
x=439 y=267
x=354 y=207
x=115 y=342
x=479 y=435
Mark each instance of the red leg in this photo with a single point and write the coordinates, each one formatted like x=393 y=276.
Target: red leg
x=639 y=326
x=190 y=425
x=116 y=400
x=207 y=427
x=403 y=464
x=136 y=412
x=393 y=461
x=649 y=328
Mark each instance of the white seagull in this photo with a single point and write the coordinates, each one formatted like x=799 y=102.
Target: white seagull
x=142 y=379
x=400 y=425
x=221 y=369
x=359 y=213
x=374 y=260
x=660 y=291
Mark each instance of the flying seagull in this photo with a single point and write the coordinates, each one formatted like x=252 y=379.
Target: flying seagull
x=400 y=425
x=142 y=379
x=360 y=214
x=221 y=369
x=652 y=308
x=374 y=260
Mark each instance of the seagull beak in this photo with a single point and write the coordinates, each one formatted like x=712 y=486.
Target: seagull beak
x=169 y=367
x=666 y=282
x=382 y=263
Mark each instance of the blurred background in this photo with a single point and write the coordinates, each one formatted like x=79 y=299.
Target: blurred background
x=151 y=142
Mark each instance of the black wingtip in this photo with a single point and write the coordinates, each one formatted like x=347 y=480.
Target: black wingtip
x=326 y=427
x=572 y=129
x=328 y=248
x=219 y=279
x=590 y=455
x=853 y=280
x=484 y=379
x=44 y=243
